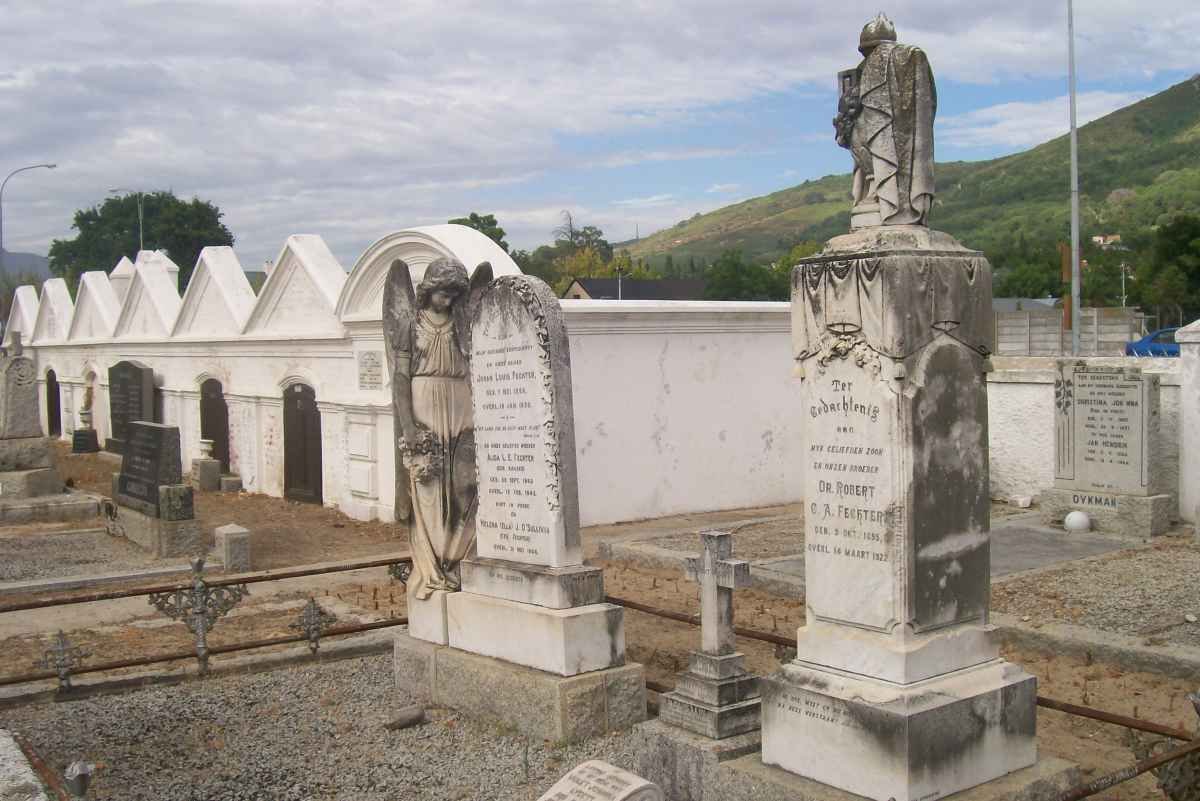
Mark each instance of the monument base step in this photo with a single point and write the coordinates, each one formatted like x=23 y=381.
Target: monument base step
x=25 y=453
x=163 y=538
x=427 y=618
x=552 y=587
x=59 y=508
x=709 y=720
x=906 y=742
x=231 y=483
x=685 y=765
x=562 y=641
x=18 y=484
x=1132 y=516
x=748 y=779
x=539 y=704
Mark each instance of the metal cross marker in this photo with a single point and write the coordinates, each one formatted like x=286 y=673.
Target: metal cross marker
x=199 y=607
x=718 y=576
x=63 y=658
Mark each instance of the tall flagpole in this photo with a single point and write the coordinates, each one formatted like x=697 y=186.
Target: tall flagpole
x=1075 y=277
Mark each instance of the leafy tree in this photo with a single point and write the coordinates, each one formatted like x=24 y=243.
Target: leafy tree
x=109 y=231
x=1031 y=279
x=485 y=224
x=731 y=278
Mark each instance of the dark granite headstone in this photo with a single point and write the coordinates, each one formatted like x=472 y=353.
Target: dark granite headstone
x=85 y=440
x=151 y=461
x=130 y=398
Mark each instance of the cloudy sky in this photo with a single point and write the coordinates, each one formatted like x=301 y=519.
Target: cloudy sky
x=350 y=120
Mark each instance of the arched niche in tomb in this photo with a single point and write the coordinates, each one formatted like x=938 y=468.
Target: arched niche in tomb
x=214 y=420
x=362 y=297
x=53 y=405
x=301 y=444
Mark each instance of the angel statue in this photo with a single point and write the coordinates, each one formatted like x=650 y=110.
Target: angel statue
x=428 y=334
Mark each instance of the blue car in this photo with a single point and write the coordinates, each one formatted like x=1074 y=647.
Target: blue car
x=1160 y=343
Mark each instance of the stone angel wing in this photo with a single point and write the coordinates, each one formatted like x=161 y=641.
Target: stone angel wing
x=465 y=306
x=399 y=316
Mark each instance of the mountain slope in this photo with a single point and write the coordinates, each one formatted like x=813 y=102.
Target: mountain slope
x=1137 y=165
x=26 y=263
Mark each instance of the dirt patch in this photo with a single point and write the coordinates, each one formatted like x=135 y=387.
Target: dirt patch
x=285 y=532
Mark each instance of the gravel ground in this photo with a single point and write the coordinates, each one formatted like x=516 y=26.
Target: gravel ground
x=300 y=734
x=1144 y=593
x=40 y=555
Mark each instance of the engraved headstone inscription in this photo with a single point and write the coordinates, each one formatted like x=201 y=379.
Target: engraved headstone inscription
x=1106 y=426
x=130 y=398
x=524 y=426
x=19 y=413
x=596 y=780
x=150 y=461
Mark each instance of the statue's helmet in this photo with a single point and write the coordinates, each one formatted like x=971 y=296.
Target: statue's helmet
x=876 y=32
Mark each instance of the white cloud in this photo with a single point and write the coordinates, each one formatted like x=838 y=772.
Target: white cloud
x=645 y=202
x=1020 y=125
x=722 y=189
x=356 y=118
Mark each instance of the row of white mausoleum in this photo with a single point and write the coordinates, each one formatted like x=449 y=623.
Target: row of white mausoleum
x=679 y=406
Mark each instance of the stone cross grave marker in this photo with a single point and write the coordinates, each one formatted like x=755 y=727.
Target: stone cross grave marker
x=718 y=576
x=599 y=781
x=715 y=697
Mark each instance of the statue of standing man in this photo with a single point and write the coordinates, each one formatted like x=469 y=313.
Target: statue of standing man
x=885 y=117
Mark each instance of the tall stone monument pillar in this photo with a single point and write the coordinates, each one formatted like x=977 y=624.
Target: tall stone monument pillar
x=897 y=689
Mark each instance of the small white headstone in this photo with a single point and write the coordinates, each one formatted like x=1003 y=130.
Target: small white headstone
x=600 y=781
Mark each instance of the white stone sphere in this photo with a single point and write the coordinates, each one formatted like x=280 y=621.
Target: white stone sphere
x=1077 y=521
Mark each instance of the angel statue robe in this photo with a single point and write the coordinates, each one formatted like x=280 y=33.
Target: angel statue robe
x=892 y=139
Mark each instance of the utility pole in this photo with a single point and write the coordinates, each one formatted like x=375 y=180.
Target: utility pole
x=141 y=241
x=1075 y=276
x=4 y=184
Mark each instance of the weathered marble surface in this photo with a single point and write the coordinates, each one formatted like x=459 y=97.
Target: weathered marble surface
x=524 y=425
x=19 y=409
x=562 y=641
x=1106 y=425
x=921 y=741
x=232 y=542
x=552 y=587
x=885 y=117
x=25 y=453
x=1133 y=517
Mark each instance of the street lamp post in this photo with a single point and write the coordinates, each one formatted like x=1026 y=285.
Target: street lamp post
x=4 y=184
x=1075 y=277
x=141 y=242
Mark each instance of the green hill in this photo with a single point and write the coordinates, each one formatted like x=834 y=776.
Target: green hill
x=1137 y=165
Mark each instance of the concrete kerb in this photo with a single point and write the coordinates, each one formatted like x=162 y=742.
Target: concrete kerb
x=367 y=644
x=70 y=583
x=1123 y=651
x=641 y=553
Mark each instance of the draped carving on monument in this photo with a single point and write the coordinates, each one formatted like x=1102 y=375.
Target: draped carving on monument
x=896 y=313
x=533 y=306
